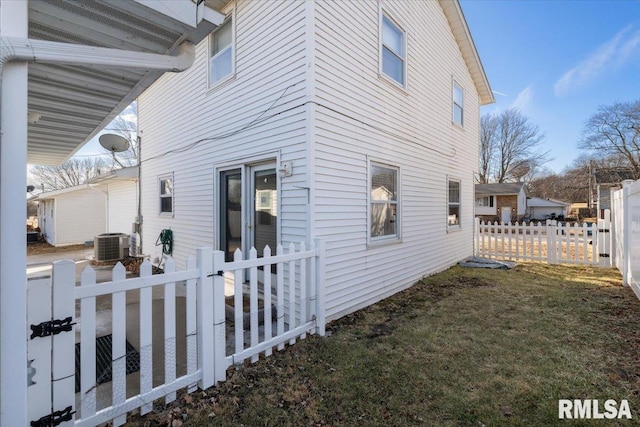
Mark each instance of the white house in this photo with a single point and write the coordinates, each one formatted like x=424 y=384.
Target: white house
x=75 y=215
x=505 y=202
x=72 y=216
x=355 y=122
x=540 y=209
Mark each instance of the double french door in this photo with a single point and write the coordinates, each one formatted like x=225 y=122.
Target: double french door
x=248 y=208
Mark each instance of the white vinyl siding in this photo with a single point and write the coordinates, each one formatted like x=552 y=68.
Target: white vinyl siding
x=178 y=110
x=359 y=116
x=78 y=217
x=121 y=206
x=311 y=72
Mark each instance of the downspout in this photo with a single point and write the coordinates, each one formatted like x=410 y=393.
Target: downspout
x=19 y=51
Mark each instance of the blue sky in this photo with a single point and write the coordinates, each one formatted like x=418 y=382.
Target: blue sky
x=557 y=61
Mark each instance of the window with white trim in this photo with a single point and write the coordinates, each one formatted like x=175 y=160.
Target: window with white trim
x=165 y=184
x=383 y=201
x=453 y=201
x=393 y=51
x=486 y=201
x=458 y=104
x=221 y=57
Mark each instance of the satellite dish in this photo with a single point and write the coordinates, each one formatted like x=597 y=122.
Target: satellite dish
x=114 y=143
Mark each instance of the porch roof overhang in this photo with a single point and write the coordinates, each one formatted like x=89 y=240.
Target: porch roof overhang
x=70 y=102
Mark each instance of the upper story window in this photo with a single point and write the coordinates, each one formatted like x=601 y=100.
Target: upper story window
x=166 y=194
x=458 y=104
x=221 y=57
x=453 y=201
x=384 y=201
x=393 y=51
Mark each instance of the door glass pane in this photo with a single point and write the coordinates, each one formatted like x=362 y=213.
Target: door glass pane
x=231 y=212
x=266 y=210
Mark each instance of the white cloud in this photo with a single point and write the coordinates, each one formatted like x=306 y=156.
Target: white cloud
x=524 y=99
x=610 y=55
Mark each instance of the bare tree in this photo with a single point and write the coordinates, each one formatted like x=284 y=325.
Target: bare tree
x=70 y=173
x=517 y=145
x=488 y=136
x=614 y=132
x=509 y=147
x=572 y=185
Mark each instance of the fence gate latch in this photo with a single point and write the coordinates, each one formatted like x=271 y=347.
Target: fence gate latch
x=55 y=418
x=51 y=327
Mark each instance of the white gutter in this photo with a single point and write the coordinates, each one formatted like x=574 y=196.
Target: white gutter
x=14 y=49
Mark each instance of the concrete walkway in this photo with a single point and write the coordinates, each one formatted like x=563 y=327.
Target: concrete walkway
x=39 y=265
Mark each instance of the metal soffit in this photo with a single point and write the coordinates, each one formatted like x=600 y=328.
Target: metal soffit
x=74 y=102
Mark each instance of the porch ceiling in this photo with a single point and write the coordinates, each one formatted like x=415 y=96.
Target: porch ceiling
x=75 y=102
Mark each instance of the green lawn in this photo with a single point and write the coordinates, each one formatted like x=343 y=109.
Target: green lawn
x=466 y=347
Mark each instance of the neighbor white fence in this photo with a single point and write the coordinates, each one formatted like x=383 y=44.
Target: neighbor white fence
x=171 y=326
x=625 y=207
x=553 y=242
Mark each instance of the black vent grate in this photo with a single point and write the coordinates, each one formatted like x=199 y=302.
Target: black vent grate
x=103 y=360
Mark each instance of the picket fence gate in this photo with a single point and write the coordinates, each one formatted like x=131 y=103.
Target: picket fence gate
x=191 y=356
x=552 y=242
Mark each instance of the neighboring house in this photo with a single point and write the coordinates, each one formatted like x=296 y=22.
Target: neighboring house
x=540 y=209
x=502 y=202
x=72 y=216
x=75 y=215
x=605 y=180
x=355 y=122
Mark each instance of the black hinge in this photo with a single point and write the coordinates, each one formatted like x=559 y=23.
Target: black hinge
x=604 y=255
x=52 y=327
x=603 y=230
x=54 y=419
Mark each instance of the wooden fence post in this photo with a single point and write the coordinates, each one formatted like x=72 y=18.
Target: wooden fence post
x=219 y=320
x=205 y=318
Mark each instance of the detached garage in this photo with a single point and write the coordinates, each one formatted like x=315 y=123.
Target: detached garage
x=541 y=209
x=75 y=215
x=72 y=215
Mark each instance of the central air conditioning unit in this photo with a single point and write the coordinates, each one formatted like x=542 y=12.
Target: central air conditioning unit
x=111 y=246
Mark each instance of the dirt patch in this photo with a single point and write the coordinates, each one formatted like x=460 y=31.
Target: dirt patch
x=45 y=248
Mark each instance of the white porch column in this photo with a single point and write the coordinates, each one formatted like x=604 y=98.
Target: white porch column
x=13 y=181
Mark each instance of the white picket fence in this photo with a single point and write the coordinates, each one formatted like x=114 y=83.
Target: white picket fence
x=142 y=316
x=625 y=207
x=553 y=242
